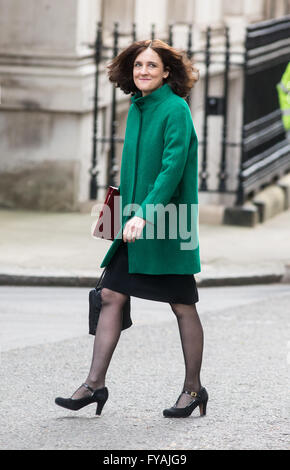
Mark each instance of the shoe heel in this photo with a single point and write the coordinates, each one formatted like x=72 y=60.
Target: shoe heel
x=202 y=408
x=100 y=407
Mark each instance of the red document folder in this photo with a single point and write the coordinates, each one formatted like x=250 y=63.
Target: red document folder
x=108 y=224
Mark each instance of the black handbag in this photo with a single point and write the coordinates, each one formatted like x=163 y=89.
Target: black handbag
x=95 y=305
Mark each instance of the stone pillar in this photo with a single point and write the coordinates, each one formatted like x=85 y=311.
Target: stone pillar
x=208 y=12
x=241 y=12
x=254 y=11
x=47 y=88
x=121 y=11
x=150 y=12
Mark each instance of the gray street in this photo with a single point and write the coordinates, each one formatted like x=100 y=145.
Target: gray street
x=46 y=352
x=183 y=107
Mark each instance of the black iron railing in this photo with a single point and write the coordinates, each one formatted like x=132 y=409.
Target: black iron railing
x=265 y=151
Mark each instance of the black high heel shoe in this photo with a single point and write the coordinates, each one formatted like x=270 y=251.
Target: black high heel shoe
x=98 y=396
x=200 y=399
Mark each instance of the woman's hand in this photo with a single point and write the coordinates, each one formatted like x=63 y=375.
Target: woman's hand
x=133 y=229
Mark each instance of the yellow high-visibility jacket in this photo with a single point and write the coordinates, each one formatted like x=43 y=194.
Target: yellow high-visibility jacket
x=284 y=97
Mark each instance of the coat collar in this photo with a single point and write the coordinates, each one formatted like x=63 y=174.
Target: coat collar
x=157 y=96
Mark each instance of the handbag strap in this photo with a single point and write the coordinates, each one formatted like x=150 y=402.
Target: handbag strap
x=101 y=278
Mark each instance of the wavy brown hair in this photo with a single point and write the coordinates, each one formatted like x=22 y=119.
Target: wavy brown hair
x=182 y=73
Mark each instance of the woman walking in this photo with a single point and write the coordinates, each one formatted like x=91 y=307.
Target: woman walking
x=159 y=167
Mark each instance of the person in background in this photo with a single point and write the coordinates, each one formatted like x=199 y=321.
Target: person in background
x=284 y=99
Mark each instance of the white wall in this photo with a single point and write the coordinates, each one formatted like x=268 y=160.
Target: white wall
x=47 y=77
x=148 y=12
x=37 y=25
x=47 y=26
x=121 y=11
x=88 y=12
x=254 y=9
x=235 y=7
x=208 y=12
x=180 y=11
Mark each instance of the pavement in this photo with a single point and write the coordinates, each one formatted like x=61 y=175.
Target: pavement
x=46 y=349
x=58 y=249
x=47 y=353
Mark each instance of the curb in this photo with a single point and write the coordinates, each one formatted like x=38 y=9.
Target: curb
x=286 y=276
x=51 y=280
x=241 y=280
x=244 y=216
x=270 y=202
x=284 y=184
x=266 y=204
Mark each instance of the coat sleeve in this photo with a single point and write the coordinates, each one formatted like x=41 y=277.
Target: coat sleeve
x=177 y=137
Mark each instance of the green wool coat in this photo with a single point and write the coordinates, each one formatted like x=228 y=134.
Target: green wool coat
x=160 y=166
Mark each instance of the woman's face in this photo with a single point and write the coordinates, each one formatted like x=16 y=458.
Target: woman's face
x=148 y=71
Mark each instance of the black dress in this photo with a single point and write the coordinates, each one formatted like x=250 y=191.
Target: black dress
x=171 y=288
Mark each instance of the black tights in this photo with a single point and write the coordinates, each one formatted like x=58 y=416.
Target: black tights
x=191 y=335
x=107 y=336
x=109 y=330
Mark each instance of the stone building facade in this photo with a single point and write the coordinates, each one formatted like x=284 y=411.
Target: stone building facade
x=47 y=77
